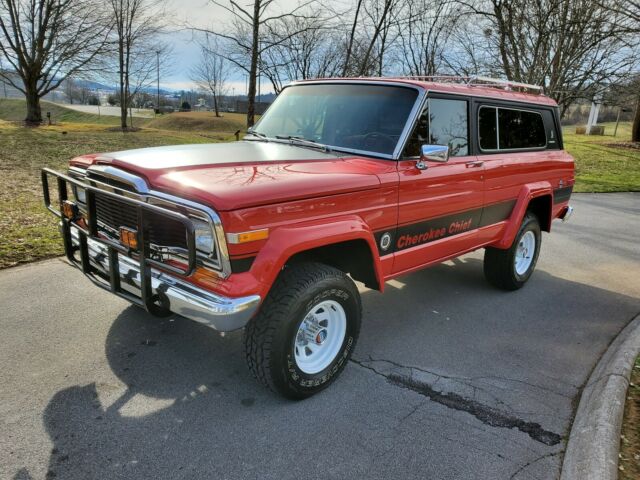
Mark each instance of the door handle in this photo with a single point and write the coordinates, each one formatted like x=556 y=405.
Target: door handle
x=474 y=164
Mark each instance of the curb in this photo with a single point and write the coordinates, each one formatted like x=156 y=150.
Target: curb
x=594 y=441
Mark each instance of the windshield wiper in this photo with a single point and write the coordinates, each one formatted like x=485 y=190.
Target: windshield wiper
x=304 y=142
x=262 y=136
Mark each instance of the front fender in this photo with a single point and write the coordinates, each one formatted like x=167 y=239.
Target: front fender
x=286 y=241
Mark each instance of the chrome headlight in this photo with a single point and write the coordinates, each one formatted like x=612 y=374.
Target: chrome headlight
x=204 y=236
x=81 y=194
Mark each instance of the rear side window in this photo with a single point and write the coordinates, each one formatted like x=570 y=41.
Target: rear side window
x=442 y=122
x=510 y=129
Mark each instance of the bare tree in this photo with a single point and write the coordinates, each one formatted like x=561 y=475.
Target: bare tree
x=635 y=127
x=370 y=32
x=46 y=41
x=69 y=87
x=211 y=73
x=568 y=46
x=384 y=16
x=138 y=26
x=631 y=10
x=249 y=36
x=427 y=35
x=351 y=38
x=302 y=49
x=74 y=90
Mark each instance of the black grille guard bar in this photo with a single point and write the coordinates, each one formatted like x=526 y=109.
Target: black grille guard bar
x=147 y=299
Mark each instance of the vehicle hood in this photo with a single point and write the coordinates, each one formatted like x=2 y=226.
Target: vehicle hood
x=230 y=176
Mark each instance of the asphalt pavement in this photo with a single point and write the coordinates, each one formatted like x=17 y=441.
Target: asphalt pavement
x=451 y=379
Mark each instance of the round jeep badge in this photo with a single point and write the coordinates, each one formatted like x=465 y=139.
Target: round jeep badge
x=385 y=241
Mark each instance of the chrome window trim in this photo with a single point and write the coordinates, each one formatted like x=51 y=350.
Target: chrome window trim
x=406 y=131
x=509 y=150
x=222 y=266
x=449 y=96
x=415 y=117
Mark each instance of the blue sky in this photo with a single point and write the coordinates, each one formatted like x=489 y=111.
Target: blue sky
x=202 y=13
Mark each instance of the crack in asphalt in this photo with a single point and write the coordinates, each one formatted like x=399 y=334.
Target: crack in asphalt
x=465 y=380
x=532 y=462
x=487 y=415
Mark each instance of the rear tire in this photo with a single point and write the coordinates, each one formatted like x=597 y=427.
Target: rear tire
x=511 y=268
x=305 y=331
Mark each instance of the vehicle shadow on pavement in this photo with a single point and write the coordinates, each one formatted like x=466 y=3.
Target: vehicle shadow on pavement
x=183 y=405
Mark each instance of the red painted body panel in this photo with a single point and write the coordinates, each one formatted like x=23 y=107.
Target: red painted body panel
x=439 y=190
x=321 y=199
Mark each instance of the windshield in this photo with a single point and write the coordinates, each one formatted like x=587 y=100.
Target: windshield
x=342 y=116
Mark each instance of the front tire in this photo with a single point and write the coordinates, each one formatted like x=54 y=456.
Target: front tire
x=306 y=330
x=511 y=268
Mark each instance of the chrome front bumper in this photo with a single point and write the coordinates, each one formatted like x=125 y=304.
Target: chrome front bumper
x=216 y=311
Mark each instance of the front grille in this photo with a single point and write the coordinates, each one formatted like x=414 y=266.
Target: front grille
x=112 y=182
x=162 y=231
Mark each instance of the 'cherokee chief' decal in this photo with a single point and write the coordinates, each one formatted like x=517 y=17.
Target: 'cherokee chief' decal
x=419 y=233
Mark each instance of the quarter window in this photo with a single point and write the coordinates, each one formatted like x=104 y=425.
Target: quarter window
x=510 y=129
x=442 y=122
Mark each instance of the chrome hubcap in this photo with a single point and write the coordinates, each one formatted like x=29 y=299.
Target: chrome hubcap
x=524 y=253
x=320 y=336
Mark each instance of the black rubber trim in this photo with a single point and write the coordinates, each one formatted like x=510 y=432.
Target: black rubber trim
x=562 y=194
x=241 y=265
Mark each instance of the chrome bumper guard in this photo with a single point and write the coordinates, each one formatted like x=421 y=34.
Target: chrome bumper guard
x=128 y=274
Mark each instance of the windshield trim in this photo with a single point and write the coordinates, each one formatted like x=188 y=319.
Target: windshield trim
x=406 y=131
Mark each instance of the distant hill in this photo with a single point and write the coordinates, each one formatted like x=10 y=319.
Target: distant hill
x=200 y=122
x=15 y=110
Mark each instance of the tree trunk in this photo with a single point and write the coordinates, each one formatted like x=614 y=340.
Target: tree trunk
x=253 y=71
x=34 y=112
x=215 y=104
x=635 y=130
x=347 y=58
x=123 y=90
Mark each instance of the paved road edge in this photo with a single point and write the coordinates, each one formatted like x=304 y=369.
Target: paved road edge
x=594 y=441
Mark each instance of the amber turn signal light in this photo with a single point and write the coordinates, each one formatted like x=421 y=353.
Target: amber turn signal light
x=251 y=236
x=204 y=275
x=69 y=209
x=129 y=237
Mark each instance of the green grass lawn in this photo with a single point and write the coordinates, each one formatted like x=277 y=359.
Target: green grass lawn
x=28 y=232
x=603 y=168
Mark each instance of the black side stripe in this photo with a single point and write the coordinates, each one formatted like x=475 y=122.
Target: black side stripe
x=433 y=229
x=562 y=194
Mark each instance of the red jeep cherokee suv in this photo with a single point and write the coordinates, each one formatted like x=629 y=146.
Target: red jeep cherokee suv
x=343 y=179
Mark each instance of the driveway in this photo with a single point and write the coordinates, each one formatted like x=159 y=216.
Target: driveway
x=451 y=379
x=108 y=110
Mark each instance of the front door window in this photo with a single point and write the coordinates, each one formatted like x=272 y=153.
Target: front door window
x=442 y=122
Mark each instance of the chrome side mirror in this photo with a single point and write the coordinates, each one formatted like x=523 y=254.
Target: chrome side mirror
x=432 y=153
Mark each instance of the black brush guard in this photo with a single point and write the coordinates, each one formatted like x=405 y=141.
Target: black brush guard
x=153 y=303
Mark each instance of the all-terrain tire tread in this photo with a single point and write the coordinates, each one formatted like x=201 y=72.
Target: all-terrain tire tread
x=260 y=331
x=498 y=263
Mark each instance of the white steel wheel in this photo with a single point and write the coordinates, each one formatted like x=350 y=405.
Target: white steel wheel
x=320 y=336
x=525 y=252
